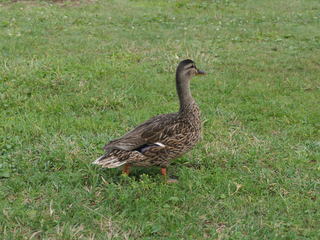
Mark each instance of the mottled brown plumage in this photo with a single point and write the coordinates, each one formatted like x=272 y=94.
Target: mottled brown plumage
x=162 y=138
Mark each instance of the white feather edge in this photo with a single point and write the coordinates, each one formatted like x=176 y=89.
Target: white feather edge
x=97 y=160
x=109 y=163
x=159 y=144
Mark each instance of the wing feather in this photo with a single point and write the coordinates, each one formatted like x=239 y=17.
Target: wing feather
x=146 y=133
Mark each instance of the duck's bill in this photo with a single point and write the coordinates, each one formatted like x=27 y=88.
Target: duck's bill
x=200 y=72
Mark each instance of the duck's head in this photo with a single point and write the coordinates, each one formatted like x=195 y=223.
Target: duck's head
x=187 y=68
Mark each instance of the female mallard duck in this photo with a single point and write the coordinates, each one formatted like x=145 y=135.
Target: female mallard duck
x=162 y=138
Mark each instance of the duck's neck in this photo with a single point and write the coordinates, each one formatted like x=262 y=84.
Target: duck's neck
x=183 y=90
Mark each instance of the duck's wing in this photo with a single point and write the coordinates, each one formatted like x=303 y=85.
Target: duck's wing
x=149 y=132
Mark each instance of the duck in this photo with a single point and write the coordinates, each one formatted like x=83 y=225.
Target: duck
x=163 y=138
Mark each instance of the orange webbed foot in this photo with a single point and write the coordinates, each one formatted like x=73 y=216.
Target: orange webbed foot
x=164 y=173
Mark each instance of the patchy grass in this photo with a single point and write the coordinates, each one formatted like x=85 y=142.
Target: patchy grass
x=75 y=76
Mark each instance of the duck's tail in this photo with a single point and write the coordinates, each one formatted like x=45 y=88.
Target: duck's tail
x=107 y=161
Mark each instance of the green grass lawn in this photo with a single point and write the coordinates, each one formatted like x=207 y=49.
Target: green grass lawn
x=75 y=75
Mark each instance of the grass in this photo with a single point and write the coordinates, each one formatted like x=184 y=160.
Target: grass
x=75 y=75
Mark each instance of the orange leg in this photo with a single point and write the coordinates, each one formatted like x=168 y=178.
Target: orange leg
x=164 y=172
x=126 y=169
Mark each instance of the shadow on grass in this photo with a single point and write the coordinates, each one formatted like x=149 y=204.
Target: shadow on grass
x=137 y=174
